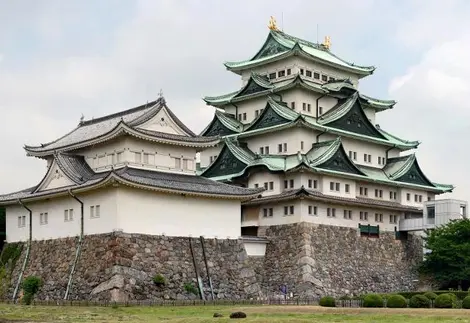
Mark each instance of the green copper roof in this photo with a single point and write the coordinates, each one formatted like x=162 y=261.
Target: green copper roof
x=222 y=125
x=277 y=116
x=327 y=157
x=279 y=45
x=260 y=86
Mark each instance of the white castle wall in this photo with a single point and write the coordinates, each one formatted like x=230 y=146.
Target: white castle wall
x=130 y=210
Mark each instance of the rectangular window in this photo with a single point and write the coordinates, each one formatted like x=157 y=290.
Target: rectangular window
x=315 y=183
x=363 y=191
x=337 y=186
x=310 y=183
x=328 y=212
x=379 y=160
x=332 y=79
x=97 y=211
x=266 y=150
x=369 y=158
x=272 y=76
x=308 y=73
x=332 y=186
x=279 y=148
x=407 y=196
x=178 y=163
x=420 y=198
x=119 y=157
x=256 y=113
x=320 y=111
x=309 y=107
x=346 y=188
x=146 y=158
x=393 y=218
x=289 y=71
x=281 y=73
x=291 y=183
x=265 y=213
x=239 y=116
x=333 y=212
x=312 y=210
x=391 y=195
x=261 y=150
x=292 y=105
x=138 y=158
x=43 y=218
x=316 y=75
x=378 y=217
x=271 y=185
x=285 y=147
x=94 y=211
x=291 y=209
x=286 y=210
x=244 y=116
x=324 y=78
x=256 y=185
x=347 y=214
x=365 y=157
x=266 y=185
x=301 y=145
x=66 y=215
x=301 y=71
x=363 y=216
x=21 y=221
x=270 y=213
x=185 y=164
x=304 y=106
x=286 y=184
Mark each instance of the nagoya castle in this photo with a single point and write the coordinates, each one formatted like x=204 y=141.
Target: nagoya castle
x=300 y=128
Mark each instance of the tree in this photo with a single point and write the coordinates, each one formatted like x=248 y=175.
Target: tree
x=449 y=258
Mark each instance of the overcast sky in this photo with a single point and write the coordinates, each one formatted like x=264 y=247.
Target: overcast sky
x=59 y=59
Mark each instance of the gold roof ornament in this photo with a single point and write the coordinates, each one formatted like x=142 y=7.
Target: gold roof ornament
x=327 y=42
x=272 y=23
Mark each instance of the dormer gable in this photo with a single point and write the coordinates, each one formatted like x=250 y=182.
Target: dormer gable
x=165 y=121
x=55 y=178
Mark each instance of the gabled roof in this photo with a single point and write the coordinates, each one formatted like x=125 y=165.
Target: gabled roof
x=327 y=157
x=349 y=115
x=85 y=179
x=222 y=124
x=98 y=130
x=406 y=169
x=279 y=45
x=277 y=116
x=335 y=88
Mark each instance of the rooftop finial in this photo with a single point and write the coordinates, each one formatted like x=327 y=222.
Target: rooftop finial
x=272 y=23
x=81 y=118
x=327 y=42
x=160 y=94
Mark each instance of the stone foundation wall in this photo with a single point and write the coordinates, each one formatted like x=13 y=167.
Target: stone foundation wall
x=317 y=260
x=312 y=260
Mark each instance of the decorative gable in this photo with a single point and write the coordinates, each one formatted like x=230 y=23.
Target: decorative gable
x=163 y=122
x=356 y=121
x=250 y=88
x=268 y=118
x=340 y=162
x=414 y=175
x=54 y=178
x=217 y=129
x=225 y=164
x=270 y=47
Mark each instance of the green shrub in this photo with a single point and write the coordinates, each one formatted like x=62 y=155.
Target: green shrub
x=466 y=302
x=420 y=301
x=327 y=301
x=190 y=288
x=345 y=298
x=445 y=301
x=396 y=301
x=430 y=295
x=31 y=286
x=373 y=300
x=159 y=280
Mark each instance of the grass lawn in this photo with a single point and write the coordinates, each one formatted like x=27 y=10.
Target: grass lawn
x=260 y=314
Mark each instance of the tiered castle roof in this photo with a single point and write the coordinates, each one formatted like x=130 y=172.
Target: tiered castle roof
x=65 y=162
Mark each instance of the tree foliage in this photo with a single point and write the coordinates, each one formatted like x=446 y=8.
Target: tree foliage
x=449 y=258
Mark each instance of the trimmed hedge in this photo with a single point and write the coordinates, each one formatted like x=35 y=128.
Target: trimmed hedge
x=430 y=295
x=396 y=301
x=373 y=300
x=445 y=301
x=466 y=302
x=327 y=301
x=460 y=294
x=420 y=301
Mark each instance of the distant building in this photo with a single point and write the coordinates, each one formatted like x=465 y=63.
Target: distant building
x=132 y=171
x=300 y=128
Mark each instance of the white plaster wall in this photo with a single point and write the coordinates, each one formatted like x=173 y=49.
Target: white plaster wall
x=148 y=212
x=249 y=107
x=278 y=217
x=326 y=180
x=265 y=177
x=295 y=64
x=402 y=194
x=206 y=154
x=292 y=136
x=56 y=226
x=100 y=158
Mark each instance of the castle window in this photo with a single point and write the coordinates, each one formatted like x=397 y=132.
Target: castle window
x=408 y=197
x=291 y=183
x=244 y=116
x=43 y=218
x=266 y=150
x=301 y=145
x=256 y=185
x=301 y=71
x=261 y=150
x=268 y=212
x=239 y=116
x=21 y=221
x=312 y=210
x=420 y=198
x=281 y=73
x=271 y=186
x=288 y=71
x=304 y=106
x=272 y=76
x=292 y=105
x=68 y=215
x=288 y=210
x=378 y=193
x=324 y=78
x=331 y=212
x=332 y=79
x=378 y=217
x=285 y=147
x=279 y=148
x=383 y=161
x=309 y=107
x=393 y=218
x=316 y=76
x=347 y=214
x=308 y=73
x=320 y=111
x=138 y=158
x=177 y=163
x=346 y=188
x=363 y=216
x=94 y=211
